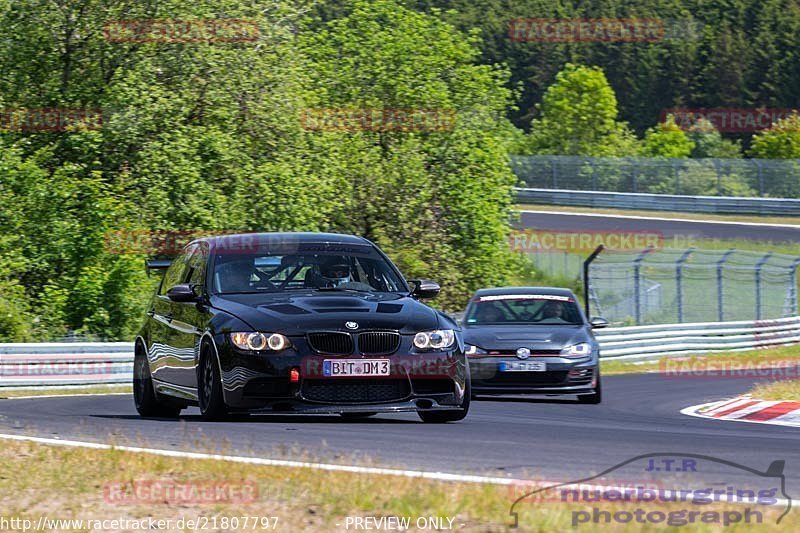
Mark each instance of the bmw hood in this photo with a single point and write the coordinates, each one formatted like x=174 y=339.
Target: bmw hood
x=537 y=337
x=297 y=313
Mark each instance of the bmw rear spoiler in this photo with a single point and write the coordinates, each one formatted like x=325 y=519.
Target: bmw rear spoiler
x=157 y=264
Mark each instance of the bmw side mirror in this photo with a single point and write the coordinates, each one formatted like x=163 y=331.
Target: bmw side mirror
x=598 y=322
x=183 y=292
x=425 y=288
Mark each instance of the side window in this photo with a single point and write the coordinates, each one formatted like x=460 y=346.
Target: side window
x=176 y=273
x=197 y=264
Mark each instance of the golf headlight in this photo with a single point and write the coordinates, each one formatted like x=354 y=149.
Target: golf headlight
x=474 y=350
x=577 y=350
x=438 y=339
x=255 y=341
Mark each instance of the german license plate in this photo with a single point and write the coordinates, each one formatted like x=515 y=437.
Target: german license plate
x=523 y=366
x=355 y=367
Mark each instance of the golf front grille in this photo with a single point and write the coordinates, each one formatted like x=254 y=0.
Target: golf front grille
x=354 y=391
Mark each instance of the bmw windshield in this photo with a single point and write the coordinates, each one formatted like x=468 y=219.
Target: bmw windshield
x=305 y=266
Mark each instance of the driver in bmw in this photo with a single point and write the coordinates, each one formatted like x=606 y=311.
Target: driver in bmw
x=333 y=272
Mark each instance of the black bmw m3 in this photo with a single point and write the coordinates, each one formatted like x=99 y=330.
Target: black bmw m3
x=532 y=340
x=298 y=323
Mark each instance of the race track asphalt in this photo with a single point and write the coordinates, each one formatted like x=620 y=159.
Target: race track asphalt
x=675 y=232
x=545 y=439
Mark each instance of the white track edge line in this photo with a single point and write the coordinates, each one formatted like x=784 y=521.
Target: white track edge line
x=438 y=476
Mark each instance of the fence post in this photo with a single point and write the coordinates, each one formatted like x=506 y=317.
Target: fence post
x=554 y=171
x=759 y=266
x=720 y=297
x=586 y=281
x=719 y=177
x=677 y=176
x=793 y=287
x=757 y=163
x=637 y=285
x=594 y=175
x=634 y=188
x=679 y=281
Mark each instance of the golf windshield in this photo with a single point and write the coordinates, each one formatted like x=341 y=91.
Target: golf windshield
x=524 y=309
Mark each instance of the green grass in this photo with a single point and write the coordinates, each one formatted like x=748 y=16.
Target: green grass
x=779 y=390
x=71 y=483
x=66 y=391
x=781 y=354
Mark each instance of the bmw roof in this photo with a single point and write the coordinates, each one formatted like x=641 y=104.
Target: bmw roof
x=290 y=238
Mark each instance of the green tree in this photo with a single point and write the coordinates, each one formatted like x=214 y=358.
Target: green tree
x=708 y=142
x=579 y=117
x=779 y=141
x=667 y=139
x=437 y=201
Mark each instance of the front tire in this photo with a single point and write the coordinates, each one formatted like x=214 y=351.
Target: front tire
x=441 y=417
x=597 y=396
x=148 y=403
x=209 y=387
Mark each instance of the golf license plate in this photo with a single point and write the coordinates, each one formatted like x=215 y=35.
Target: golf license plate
x=523 y=366
x=355 y=367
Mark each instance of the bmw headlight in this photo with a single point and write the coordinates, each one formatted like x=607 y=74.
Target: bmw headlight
x=577 y=350
x=438 y=339
x=256 y=341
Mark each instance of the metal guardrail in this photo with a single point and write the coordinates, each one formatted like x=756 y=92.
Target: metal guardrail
x=661 y=202
x=773 y=178
x=68 y=364
x=65 y=363
x=643 y=342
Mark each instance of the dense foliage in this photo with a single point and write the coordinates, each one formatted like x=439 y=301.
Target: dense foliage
x=209 y=136
x=201 y=136
x=732 y=53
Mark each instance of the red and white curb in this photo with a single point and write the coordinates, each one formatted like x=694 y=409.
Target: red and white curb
x=747 y=409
